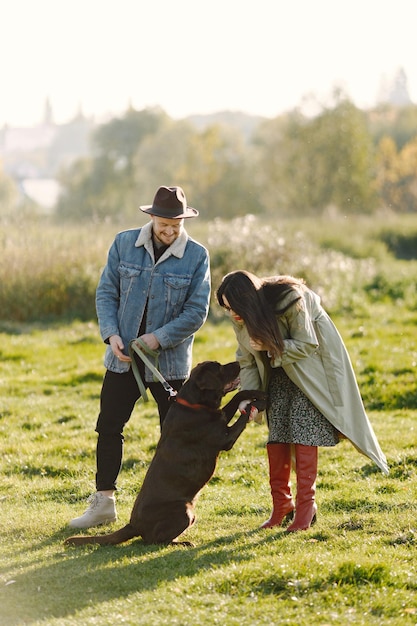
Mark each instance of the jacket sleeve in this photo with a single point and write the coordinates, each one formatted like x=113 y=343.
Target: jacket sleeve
x=108 y=295
x=301 y=339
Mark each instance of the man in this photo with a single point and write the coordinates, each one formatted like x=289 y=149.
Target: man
x=156 y=286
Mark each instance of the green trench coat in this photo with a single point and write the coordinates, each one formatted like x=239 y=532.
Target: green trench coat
x=316 y=360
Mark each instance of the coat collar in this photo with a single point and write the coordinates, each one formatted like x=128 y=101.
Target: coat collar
x=177 y=248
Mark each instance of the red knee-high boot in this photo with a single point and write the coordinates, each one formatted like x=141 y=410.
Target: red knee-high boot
x=279 y=457
x=306 y=470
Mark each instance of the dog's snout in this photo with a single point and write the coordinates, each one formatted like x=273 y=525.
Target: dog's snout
x=230 y=376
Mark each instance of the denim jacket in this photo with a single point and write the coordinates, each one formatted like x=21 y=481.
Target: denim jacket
x=176 y=290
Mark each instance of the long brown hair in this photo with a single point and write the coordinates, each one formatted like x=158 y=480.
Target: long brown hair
x=257 y=301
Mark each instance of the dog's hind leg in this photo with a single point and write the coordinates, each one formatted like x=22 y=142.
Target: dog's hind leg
x=166 y=530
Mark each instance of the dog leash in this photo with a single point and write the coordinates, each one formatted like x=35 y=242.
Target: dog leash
x=139 y=347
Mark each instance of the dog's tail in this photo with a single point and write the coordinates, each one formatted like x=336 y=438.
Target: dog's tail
x=112 y=539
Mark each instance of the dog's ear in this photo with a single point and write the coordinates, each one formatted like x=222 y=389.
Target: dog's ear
x=209 y=381
x=207 y=377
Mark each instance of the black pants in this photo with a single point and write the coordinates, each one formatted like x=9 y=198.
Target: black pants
x=119 y=394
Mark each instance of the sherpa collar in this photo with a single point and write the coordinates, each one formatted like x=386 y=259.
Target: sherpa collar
x=177 y=248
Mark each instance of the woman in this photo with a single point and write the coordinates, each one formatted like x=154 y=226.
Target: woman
x=288 y=345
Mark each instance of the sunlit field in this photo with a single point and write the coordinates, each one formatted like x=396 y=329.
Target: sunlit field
x=50 y=272
x=355 y=566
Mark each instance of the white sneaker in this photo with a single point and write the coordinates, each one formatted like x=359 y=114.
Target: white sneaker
x=102 y=510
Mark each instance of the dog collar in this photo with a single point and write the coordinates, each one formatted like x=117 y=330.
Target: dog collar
x=191 y=406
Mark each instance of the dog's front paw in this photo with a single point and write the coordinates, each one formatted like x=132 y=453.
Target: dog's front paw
x=260 y=403
x=258 y=399
x=255 y=403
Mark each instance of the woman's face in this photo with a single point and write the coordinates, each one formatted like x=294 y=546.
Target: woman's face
x=229 y=309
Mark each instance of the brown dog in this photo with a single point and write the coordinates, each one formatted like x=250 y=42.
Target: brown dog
x=193 y=433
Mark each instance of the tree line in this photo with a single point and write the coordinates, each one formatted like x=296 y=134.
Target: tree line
x=341 y=159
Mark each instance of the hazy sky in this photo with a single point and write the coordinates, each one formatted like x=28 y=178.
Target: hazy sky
x=197 y=56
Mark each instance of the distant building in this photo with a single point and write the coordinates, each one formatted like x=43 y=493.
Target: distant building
x=33 y=156
x=394 y=89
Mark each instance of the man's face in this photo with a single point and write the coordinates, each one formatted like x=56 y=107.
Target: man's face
x=166 y=230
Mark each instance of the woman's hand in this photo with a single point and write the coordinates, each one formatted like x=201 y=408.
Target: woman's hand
x=253 y=410
x=257 y=345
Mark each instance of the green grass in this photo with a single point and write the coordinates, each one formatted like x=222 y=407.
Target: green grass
x=357 y=565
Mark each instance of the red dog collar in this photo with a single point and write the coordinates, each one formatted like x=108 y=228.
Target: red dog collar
x=191 y=406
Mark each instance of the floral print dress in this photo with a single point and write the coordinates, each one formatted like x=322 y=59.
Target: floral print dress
x=292 y=418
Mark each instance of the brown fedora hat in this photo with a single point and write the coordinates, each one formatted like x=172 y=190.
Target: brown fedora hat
x=170 y=202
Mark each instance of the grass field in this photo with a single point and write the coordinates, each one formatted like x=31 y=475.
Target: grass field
x=357 y=565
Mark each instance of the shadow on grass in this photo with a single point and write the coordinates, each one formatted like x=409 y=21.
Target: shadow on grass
x=106 y=573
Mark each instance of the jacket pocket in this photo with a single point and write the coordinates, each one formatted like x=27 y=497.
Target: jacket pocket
x=127 y=276
x=176 y=288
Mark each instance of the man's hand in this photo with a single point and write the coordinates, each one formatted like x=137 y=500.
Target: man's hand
x=150 y=340
x=117 y=347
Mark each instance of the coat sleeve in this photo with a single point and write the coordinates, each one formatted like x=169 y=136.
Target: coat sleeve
x=300 y=339
x=249 y=373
